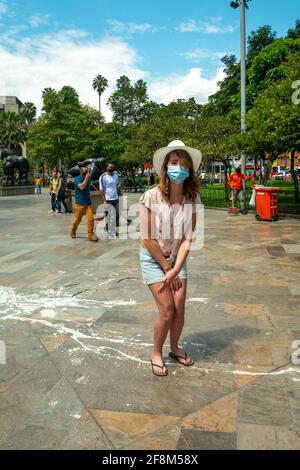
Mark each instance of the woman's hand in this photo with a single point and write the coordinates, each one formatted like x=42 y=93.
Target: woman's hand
x=170 y=280
x=176 y=284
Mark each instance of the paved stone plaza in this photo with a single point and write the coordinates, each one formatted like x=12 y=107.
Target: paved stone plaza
x=77 y=320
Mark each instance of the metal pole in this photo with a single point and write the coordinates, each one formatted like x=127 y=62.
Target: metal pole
x=243 y=85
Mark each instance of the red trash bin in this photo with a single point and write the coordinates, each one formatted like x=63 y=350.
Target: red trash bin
x=266 y=203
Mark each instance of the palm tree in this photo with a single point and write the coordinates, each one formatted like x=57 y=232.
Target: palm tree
x=99 y=84
x=12 y=130
x=29 y=112
x=48 y=92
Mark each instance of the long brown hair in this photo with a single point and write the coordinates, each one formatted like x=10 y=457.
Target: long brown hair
x=191 y=186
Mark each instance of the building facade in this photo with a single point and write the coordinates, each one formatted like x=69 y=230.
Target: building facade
x=13 y=104
x=10 y=104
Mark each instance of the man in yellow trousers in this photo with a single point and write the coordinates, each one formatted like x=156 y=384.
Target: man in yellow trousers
x=83 y=204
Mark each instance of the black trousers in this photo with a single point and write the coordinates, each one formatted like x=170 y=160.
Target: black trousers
x=61 y=201
x=112 y=215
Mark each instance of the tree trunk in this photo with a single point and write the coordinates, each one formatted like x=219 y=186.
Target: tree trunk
x=226 y=187
x=133 y=180
x=267 y=171
x=255 y=165
x=295 y=177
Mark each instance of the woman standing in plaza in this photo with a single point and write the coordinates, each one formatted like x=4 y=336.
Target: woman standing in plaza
x=168 y=220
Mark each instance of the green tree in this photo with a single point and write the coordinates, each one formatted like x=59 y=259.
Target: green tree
x=12 y=130
x=28 y=111
x=227 y=97
x=295 y=32
x=100 y=84
x=274 y=121
x=66 y=130
x=215 y=137
x=268 y=65
x=157 y=132
x=129 y=103
x=258 y=40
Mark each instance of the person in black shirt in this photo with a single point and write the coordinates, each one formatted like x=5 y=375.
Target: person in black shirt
x=61 y=193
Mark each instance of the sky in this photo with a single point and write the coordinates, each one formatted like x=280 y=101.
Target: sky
x=174 y=45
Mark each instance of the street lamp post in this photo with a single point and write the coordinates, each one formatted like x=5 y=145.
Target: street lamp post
x=242 y=4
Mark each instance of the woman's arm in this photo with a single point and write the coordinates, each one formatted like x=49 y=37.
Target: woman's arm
x=181 y=257
x=153 y=247
x=149 y=243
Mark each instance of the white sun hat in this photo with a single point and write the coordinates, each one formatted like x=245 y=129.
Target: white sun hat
x=160 y=155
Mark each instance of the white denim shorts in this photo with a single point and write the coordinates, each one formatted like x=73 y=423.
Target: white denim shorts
x=152 y=271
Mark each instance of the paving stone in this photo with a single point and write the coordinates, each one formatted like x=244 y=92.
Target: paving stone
x=123 y=429
x=219 y=416
x=79 y=338
x=202 y=440
x=256 y=437
x=265 y=402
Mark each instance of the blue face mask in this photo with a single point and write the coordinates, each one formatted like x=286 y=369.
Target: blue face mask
x=177 y=174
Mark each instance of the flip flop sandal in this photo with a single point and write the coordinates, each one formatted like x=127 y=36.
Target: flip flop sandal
x=163 y=374
x=177 y=358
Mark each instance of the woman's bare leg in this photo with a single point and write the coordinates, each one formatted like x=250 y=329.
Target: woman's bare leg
x=177 y=322
x=166 y=308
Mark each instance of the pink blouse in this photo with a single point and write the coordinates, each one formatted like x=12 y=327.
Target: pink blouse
x=169 y=223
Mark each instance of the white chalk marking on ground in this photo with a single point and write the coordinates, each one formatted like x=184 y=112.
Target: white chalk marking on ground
x=76 y=361
x=23 y=305
x=290 y=370
x=106 y=282
x=16 y=307
x=48 y=313
x=82 y=380
x=279 y=372
x=53 y=403
x=113 y=303
x=198 y=299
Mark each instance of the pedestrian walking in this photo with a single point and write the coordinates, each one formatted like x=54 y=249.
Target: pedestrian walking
x=83 y=204
x=53 y=190
x=61 y=192
x=110 y=189
x=38 y=185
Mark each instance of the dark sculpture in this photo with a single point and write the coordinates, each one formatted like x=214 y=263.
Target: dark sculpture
x=14 y=162
x=96 y=166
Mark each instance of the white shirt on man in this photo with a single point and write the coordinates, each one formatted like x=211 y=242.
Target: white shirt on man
x=109 y=185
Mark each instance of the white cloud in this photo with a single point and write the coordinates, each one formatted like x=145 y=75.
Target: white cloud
x=191 y=84
x=3 y=8
x=69 y=57
x=201 y=53
x=72 y=57
x=128 y=28
x=38 y=20
x=211 y=26
x=190 y=26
